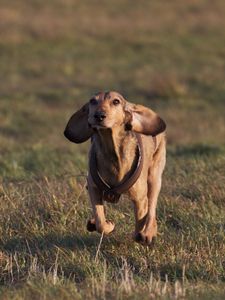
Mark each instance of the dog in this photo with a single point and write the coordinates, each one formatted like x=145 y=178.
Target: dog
x=127 y=156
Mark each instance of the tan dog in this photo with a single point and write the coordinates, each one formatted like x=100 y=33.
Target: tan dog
x=127 y=141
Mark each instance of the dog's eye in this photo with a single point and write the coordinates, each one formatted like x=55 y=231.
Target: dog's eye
x=93 y=101
x=116 y=101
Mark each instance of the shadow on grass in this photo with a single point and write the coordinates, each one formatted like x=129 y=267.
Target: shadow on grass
x=49 y=241
x=47 y=245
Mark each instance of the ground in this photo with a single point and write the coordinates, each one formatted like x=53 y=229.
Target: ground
x=169 y=56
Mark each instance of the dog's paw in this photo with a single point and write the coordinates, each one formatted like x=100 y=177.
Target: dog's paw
x=107 y=228
x=146 y=239
x=91 y=225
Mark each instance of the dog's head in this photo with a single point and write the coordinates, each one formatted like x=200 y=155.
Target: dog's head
x=110 y=110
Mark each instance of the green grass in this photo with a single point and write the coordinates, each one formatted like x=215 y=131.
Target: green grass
x=54 y=55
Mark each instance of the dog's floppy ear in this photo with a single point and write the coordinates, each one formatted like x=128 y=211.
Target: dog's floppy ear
x=143 y=120
x=77 y=129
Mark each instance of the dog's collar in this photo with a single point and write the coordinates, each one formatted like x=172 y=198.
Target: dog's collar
x=112 y=194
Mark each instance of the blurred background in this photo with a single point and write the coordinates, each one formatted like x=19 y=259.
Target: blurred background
x=55 y=54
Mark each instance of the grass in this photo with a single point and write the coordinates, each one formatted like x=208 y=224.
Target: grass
x=54 y=55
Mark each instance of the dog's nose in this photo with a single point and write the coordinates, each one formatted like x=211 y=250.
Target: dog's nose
x=100 y=116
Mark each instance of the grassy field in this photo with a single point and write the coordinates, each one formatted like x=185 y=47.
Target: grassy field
x=169 y=55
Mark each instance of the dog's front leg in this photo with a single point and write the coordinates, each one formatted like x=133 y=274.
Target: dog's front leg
x=99 y=222
x=146 y=228
x=140 y=201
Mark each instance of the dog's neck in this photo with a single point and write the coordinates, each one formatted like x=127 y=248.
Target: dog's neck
x=116 y=153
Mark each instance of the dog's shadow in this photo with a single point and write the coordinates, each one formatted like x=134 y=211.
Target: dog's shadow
x=73 y=242
x=49 y=241
x=45 y=248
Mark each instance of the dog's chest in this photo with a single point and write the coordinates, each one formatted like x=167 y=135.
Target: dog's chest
x=114 y=170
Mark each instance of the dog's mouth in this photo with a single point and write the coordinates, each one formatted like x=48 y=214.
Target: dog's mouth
x=95 y=124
